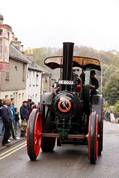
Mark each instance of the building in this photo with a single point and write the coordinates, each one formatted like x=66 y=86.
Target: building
x=13 y=66
x=46 y=81
x=34 y=82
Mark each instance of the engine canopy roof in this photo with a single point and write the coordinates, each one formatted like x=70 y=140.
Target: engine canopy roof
x=78 y=61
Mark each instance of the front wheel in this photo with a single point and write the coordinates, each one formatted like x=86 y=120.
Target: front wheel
x=93 y=138
x=34 y=134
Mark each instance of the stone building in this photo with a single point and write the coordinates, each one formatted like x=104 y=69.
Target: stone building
x=20 y=78
x=13 y=66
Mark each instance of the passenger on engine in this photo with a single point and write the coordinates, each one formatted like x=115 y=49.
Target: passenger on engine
x=94 y=82
x=82 y=76
x=78 y=85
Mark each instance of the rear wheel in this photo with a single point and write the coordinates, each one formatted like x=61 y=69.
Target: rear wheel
x=34 y=134
x=48 y=144
x=93 y=138
x=98 y=107
x=100 y=136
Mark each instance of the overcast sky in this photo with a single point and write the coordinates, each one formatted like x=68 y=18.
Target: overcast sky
x=40 y=23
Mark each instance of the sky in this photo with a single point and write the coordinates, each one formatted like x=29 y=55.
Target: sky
x=49 y=23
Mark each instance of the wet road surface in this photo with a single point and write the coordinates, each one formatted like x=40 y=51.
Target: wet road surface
x=68 y=161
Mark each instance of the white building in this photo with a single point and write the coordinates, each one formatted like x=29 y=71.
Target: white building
x=34 y=83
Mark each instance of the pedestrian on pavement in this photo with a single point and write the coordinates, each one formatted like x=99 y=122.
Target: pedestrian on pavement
x=1 y=122
x=12 y=111
x=6 y=118
x=16 y=124
x=24 y=114
x=29 y=104
x=112 y=117
x=33 y=106
x=107 y=116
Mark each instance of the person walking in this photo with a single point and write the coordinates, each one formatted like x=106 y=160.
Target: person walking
x=112 y=117
x=16 y=124
x=29 y=105
x=1 y=122
x=6 y=118
x=24 y=114
x=12 y=114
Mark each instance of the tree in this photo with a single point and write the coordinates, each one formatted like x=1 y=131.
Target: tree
x=116 y=108
x=111 y=90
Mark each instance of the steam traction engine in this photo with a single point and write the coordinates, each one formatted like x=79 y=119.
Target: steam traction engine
x=68 y=115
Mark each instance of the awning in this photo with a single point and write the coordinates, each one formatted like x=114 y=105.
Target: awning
x=78 y=61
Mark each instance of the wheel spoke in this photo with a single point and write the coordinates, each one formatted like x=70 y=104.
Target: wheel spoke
x=37 y=135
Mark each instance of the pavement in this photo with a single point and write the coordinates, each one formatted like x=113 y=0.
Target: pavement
x=12 y=141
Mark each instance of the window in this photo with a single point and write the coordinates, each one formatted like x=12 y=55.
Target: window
x=15 y=68
x=6 y=96
x=1 y=32
x=23 y=72
x=7 y=77
x=19 y=97
x=0 y=51
x=22 y=96
x=8 y=35
x=0 y=41
x=0 y=48
x=37 y=79
x=46 y=79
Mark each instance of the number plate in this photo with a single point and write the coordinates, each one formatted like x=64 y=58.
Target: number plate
x=66 y=82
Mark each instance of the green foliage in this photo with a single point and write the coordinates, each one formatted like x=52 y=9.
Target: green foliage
x=39 y=54
x=111 y=90
x=116 y=107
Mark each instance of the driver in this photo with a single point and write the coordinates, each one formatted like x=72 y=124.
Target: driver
x=94 y=82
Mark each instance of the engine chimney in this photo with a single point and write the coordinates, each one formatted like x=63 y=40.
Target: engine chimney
x=67 y=63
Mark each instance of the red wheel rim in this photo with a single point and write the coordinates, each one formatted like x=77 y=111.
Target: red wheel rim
x=96 y=144
x=37 y=133
x=27 y=135
x=89 y=139
x=96 y=137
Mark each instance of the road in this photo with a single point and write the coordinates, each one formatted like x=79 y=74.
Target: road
x=69 y=161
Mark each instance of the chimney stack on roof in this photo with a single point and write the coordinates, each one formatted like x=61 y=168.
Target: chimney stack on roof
x=1 y=19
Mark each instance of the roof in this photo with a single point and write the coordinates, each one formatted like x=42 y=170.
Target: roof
x=45 y=69
x=17 y=55
x=1 y=17
x=78 y=61
x=34 y=67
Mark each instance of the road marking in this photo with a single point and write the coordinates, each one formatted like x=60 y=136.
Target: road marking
x=12 y=150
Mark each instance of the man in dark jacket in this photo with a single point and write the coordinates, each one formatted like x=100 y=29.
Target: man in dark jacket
x=24 y=114
x=6 y=118
x=1 y=122
x=94 y=82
